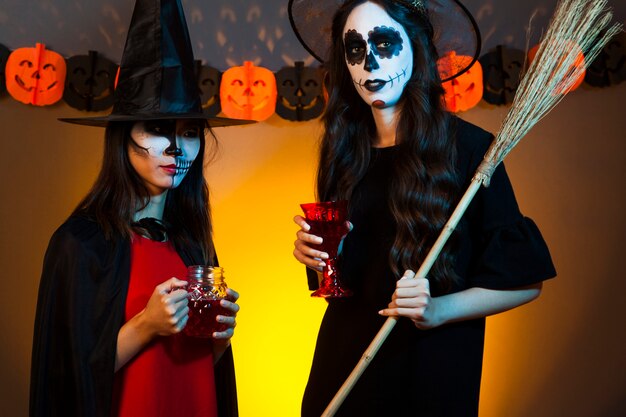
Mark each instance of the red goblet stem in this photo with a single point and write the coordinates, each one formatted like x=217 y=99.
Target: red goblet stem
x=327 y=219
x=330 y=279
x=331 y=286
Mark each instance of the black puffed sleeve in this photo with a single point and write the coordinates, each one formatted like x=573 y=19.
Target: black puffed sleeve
x=499 y=247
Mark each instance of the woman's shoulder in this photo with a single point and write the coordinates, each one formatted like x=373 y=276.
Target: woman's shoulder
x=79 y=227
x=470 y=137
x=79 y=232
x=471 y=142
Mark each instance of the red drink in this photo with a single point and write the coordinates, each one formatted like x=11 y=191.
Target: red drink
x=331 y=232
x=328 y=221
x=202 y=318
x=206 y=289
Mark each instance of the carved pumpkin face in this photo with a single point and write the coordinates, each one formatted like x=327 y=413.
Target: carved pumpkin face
x=209 y=84
x=502 y=71
x=609 y=68
x=90 y=82
x=35 y=75
x=248 y=92
x=580 y=61
x=465 y=91
x=300 y=95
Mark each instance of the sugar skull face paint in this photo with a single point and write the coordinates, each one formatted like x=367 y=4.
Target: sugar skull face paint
x=162 y=151
x=378 y=55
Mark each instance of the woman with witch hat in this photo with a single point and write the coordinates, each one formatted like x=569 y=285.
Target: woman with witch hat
x=111 y=302
x=402 y=162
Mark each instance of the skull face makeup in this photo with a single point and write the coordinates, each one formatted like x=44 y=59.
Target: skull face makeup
x=378 y=55
x=162 y=151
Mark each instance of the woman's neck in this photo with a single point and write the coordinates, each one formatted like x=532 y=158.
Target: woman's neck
x=154 y=208
x=386 y=125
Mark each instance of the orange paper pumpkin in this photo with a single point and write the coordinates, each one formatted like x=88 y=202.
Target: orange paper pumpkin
x=465 y=91
x=248 y=92
x=35 y=75
x=580 y=61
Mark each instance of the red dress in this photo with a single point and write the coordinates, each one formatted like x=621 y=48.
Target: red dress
x=173 y=375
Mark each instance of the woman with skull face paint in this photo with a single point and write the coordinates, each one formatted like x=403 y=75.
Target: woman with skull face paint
x=112 y=302
x=402 y=162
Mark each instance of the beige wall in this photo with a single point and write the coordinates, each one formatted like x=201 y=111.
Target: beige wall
x=563 y=355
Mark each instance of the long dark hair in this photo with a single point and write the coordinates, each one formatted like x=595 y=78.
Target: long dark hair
x=119 y=193
x=424 y=184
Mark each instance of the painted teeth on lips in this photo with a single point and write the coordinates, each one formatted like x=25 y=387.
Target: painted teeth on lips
x=183 y=166
x=374 y=85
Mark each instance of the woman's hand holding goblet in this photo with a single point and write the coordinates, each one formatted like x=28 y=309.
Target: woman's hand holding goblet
x=324 y=225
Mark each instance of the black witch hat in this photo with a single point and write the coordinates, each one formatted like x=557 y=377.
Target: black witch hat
x=156 y=78
x=455 y=28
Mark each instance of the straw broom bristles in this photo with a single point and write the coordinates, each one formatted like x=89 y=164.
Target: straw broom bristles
x=576 y=26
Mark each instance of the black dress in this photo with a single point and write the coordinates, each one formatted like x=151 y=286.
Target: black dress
x=420 y=372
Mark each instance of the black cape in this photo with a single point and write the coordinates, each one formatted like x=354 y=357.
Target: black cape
x=80 y=309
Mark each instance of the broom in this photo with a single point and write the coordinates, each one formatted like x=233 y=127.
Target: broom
x=577 y=26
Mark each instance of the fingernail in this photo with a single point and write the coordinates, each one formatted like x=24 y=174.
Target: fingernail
x=322 y=264
x=381 y=312
x=324 y=255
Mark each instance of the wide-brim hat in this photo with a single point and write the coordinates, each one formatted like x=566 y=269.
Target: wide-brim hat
x=455 y=30
x=157 y=79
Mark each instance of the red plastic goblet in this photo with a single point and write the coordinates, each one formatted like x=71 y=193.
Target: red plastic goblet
x=328 y=221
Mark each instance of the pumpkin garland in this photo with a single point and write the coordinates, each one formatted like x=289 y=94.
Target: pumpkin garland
x=41 y=77
x=609 y=68
x=209 y=80
x=35 y=75
x=4 y=55
x=465 y=91
x=579 y=63
x=90 y=82
x=248 y=92
x=502 y=72
x=300 y=92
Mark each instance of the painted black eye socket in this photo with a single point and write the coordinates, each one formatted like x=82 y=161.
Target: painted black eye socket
x=385 y=41
x=160 y=127
x=355 y=50
x=191 y=133
x=355 y=47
